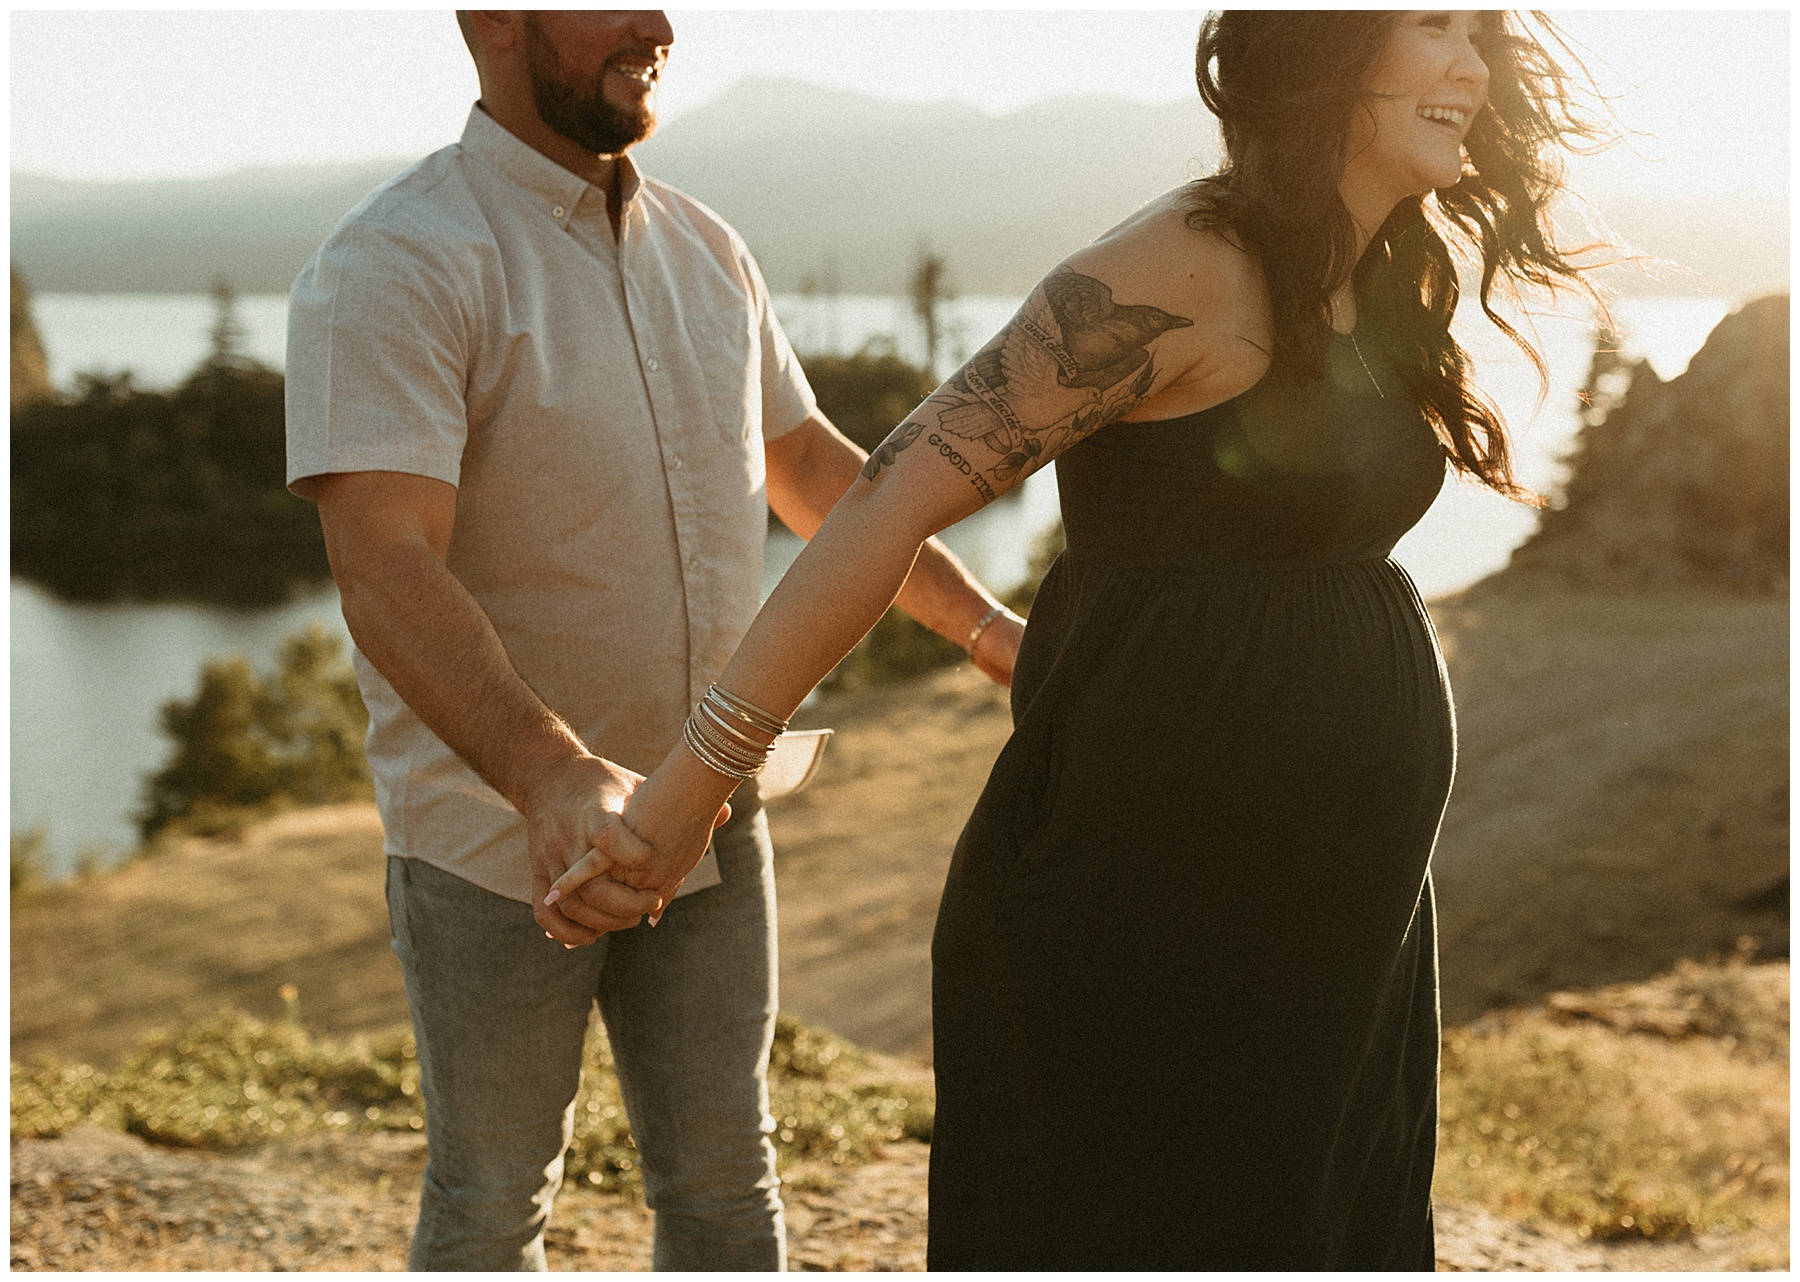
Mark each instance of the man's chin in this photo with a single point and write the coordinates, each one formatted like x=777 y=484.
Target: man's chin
x=632 y=123
x=619 y=137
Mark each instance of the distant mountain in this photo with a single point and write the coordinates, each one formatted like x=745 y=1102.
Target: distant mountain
x=256 y=228
x=825 y=183
x=832 y=187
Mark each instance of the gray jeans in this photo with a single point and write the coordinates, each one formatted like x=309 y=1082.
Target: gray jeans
x=500 y=1012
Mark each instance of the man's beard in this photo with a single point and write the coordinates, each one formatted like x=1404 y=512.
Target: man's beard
x=583 y=117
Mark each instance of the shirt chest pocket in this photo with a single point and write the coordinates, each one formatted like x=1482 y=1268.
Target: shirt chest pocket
x=726 y=371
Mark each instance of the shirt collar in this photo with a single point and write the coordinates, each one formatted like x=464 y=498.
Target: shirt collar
x=558 y=190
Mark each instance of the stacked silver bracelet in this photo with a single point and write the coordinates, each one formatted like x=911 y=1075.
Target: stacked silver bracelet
x=713 y=734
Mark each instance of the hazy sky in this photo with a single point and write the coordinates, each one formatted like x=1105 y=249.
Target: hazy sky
x=159 y=94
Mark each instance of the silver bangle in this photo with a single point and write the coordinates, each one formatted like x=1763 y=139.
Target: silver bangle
x=719 y=723
x=715 y=733
x=711 y=757
x=975 y=632
x=745 y=711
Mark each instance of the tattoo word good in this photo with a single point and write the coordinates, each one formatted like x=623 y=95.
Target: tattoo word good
x=961 y=464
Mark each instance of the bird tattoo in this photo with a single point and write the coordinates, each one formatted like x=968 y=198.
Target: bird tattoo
x=1104 y=341
x=1073 y=360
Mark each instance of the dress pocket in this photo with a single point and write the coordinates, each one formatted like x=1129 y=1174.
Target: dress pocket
x=1042 y=850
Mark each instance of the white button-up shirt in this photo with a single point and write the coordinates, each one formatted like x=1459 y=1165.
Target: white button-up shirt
x=601 y=406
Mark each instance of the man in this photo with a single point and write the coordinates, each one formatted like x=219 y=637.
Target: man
x=536 y=397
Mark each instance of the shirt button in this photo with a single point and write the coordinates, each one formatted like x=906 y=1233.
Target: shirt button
x=651 y=365
x=557 y=212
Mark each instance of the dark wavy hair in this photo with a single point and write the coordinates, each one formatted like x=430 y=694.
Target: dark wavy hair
x=1284 y=86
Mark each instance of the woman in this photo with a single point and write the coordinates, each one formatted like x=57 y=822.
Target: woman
x=1184 y=972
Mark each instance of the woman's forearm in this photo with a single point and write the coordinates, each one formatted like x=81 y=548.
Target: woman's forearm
x=809 y=470
x=836 y=590
x=832 y=595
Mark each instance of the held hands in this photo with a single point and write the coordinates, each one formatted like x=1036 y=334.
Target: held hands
x=662 y=833
x=572 y=807
x=609 y=846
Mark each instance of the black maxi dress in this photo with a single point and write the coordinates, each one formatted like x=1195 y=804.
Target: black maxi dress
x=1184 y=972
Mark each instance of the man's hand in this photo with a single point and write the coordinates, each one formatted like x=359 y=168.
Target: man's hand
x=388 y=534
x=997 y=648
x=571 y=808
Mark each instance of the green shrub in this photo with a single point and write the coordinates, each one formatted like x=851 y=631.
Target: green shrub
x=226 y=1082
x=232 y=1081
x=245 y=745
x=30 y=865
x=30 y=369
x=1631 y=1134
x=896 y=649
x=824 y=1105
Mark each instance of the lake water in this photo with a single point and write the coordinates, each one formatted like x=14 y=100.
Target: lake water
x=87 y=681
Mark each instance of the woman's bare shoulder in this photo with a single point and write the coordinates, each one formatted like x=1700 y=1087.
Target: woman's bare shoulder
x=1163 y=256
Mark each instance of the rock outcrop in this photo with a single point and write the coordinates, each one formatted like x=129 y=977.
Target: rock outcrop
x=1680 y=483
x=30 y=371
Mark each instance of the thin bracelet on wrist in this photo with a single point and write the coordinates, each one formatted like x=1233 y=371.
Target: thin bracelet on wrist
x=987 y=621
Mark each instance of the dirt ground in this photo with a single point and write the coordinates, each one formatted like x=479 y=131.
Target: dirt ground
x=1621 y=796
x=1620 y=802
x=96 y=1199
x=104 y=1200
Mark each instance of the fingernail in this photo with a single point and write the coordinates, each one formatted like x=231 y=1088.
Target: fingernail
x=552 y=897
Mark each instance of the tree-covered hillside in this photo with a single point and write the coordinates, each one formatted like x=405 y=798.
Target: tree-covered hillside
x=122 y=493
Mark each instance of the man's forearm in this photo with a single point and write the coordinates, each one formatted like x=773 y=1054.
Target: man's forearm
x=387 y=535
x=422 y=630
x=939 y=592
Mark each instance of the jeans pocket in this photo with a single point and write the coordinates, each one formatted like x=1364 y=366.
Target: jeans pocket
x=400 y=937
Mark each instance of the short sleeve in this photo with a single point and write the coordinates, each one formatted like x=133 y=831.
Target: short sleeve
x=787 y=398
x=377 y=362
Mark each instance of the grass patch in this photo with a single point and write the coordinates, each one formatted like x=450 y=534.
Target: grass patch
x=232 y=1081
x=1651 y=1110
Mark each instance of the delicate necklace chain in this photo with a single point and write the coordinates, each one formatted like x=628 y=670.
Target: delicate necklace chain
x=1374 y=382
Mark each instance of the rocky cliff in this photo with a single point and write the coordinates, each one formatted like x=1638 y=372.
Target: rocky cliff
x=1684 y=482
x=30 y=371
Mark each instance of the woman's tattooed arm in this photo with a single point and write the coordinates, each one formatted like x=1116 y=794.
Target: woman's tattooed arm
x=889 y=450
x=1072 y=361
